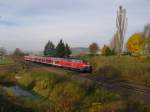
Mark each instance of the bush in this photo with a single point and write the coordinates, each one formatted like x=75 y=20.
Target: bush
x=26 y=80
x=68 y=95
x=42 y=87
x=106 y=51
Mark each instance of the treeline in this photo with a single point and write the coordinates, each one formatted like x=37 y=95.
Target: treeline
x=61 y=50
x=17 y=53
x=137 y=44
x=94 y=49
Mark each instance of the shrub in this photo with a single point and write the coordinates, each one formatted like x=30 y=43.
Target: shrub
x=106 y=51
x=26 y=80
x=42 y=87
x=66 y=95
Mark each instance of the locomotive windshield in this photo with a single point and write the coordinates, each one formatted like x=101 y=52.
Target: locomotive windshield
x=84 y=61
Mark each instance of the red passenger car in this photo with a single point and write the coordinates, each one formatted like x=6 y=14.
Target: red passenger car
x=74 y=64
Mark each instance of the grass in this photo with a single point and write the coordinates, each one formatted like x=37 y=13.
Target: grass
x=6 y=61
x=132 y=69
x=6 y=105
x=61 y=94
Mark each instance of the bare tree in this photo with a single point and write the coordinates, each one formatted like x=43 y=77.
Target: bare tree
x=113 y=43
x=121 y=24
x=147 y=38
x=2 y=53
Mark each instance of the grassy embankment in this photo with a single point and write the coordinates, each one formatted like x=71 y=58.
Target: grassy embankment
x=61 y=94
x=131 y=69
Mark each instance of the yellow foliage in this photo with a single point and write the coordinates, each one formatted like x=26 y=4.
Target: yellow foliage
x=135 y=43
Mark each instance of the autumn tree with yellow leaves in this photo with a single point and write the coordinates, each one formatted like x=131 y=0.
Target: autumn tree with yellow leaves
x=135 y=43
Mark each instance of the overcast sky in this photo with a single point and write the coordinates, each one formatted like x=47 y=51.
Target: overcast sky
x=29 y=24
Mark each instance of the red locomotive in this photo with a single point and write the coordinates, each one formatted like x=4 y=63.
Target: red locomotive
x=73 y=64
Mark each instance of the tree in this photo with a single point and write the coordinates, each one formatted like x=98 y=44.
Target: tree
x=114 y=44
x=121 y=24
x=135 y=43
x=67 y=50
x=147 y=39
x=49 y=49
x=106 y=51
x=60 y=49
x=2 y=53
x=18 y=52
x=147 y=31
x=93 y=48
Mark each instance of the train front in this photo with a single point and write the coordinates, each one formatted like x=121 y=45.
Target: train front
x=86 y=67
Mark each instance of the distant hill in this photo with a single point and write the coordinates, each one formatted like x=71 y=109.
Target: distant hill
x=78 y=50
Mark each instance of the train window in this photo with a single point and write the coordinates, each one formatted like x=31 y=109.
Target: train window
x=75 y=60
x=67 y=59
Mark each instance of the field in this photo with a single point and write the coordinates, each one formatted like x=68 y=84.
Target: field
x=6 y=61
x=131 y=69
x=59 y=93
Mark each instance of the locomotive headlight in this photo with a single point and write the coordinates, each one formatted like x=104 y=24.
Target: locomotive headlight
x=87 y=66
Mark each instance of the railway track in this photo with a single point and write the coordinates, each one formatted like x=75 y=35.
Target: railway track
x=125 y=89
x=140 y=89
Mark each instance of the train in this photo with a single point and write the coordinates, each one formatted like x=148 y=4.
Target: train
x=69 y=63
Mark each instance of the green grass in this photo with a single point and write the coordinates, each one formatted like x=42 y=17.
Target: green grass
x=6 y=61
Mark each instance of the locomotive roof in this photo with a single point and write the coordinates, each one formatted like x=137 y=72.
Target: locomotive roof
x=56 y=58
x=68 y=59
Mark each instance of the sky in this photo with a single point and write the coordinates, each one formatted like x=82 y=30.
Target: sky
x=29 y=24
